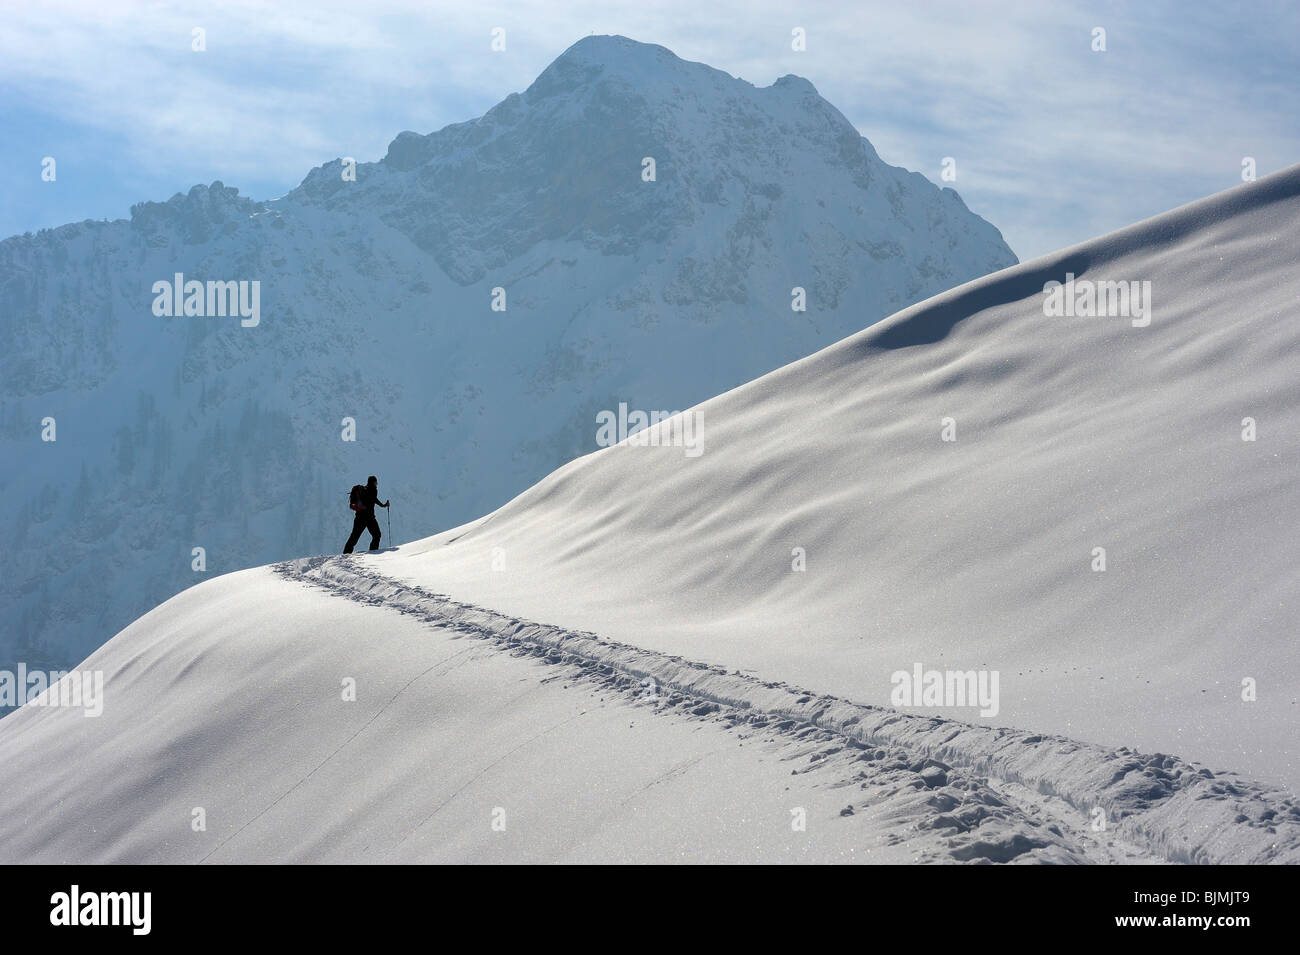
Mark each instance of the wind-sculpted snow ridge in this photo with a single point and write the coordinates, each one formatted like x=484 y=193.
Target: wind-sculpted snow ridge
x=1177 y=809
x=1110 y=528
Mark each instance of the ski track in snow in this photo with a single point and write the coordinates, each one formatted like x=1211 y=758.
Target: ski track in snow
x=998 y=795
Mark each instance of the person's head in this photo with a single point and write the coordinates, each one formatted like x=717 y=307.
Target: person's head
x=372 y=481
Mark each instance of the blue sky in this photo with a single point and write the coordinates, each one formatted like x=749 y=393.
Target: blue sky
x=1054 y=143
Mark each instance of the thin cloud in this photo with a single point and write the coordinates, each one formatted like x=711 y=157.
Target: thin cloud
x=1054 y=143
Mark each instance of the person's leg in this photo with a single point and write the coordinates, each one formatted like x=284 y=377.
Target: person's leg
x=358 y=525
x=373 y=526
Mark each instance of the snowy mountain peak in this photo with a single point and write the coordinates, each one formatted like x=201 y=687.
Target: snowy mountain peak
x=621 y=145
x=618 y=58
x=645 y=75
x=644 y=65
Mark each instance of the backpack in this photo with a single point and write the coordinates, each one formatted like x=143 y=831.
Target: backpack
x=355 y=500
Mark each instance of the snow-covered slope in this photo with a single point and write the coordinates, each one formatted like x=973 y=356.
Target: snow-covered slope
x=376 y=305
x=590 y=662
x=225 y=737
x=1072 y=433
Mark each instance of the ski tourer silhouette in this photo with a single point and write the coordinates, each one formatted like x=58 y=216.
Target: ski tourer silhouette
x=364 y=500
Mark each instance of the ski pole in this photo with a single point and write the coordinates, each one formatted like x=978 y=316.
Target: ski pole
x=389 y=509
